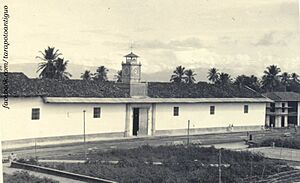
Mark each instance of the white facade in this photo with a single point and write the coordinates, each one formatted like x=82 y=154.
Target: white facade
x=199 y=115
x=66 y=119
x=58 y=119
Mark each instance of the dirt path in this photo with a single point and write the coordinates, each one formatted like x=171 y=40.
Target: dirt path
x=9 y=170
x=63 y=151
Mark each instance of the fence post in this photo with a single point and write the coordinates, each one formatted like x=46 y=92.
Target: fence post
x=84 y=139
x=188 y=133
x=220 y=170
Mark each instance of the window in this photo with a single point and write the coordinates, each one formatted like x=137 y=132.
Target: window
x=176 y=111
x=212 y=110
x=246 y=108
x=272 y=107
x=97 y=112
x=283 y=107
x=35 y=114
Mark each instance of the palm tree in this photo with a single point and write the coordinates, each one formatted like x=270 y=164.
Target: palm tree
x=240 y=80
x=119 y=76
x=295 y=76
x=249 y=81
x=224 y=79
x=285 y=78
x=213 y=75
x=87 y=75
x=179 y=75
x=254 y=83
x=101 y=74
x=47 y=66
x=270 y=79
x=60 y=69
x=190 y=76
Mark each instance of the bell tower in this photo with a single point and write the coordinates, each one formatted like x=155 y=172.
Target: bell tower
x=131 y=69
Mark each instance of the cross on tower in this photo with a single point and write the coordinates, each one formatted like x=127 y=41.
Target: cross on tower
x=131 y=47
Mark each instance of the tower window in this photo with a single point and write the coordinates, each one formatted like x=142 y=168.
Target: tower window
x=35 y=114
x=97 y=112
x=246 y=108
x=176 y=111
x=212 y=110
x=283 y=107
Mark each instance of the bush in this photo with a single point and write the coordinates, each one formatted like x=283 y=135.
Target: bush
x=179 y=164
x=31 y=161
x=25 y=177
x=288 y=143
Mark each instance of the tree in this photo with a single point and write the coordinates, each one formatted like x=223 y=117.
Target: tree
x=295 y=77
x=119 y=76
x=224 y=79
x=213 y=75
x=101 y=74
x=249 y=81
x=87 y=75
x=285 y=78
x=179 y=75
x=189 y=76
x=60 y=69
x=47 y=66
x=270 y=79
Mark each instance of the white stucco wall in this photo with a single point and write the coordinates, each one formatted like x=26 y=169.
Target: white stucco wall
x=199 y=115
x=67 y=119
x=58 y=119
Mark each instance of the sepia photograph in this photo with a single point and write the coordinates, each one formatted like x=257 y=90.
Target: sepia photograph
x=131 y=91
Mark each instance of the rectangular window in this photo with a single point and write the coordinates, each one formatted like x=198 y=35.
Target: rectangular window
x=97 y=112
x=212 y=110
x=35 y=114
x=272 y=107
x=283 y=107
x=176 y=111
x=246 y=108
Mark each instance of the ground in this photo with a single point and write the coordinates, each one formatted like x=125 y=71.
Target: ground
x=72 y=150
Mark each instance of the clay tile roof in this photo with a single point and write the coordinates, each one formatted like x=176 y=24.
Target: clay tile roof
x=283 y=96
x=21 y=86
x=131 y=55
x=199 y=90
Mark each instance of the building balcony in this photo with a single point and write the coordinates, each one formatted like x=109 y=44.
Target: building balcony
x=277 y=113
x=293 y=114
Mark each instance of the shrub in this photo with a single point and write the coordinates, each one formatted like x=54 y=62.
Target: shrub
x=179 y=164
x=25 y=177
x=288 y=143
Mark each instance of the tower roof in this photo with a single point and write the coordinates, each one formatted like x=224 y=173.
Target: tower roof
x=131 y=55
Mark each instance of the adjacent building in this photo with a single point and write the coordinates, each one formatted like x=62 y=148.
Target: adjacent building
x=284 y=110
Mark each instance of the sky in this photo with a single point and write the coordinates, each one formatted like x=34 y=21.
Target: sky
x=239 y=36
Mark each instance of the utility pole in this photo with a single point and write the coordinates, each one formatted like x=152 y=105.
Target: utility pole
x=220 y=164
x=188 y=133
x=84 y=140
x=35 y=149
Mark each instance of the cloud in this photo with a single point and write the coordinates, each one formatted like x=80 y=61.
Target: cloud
x=104 y=32
x=268 y=39
x=183 y=44
x=227 y=40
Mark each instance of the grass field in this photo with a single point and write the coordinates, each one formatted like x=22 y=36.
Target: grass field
x=173 y=164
